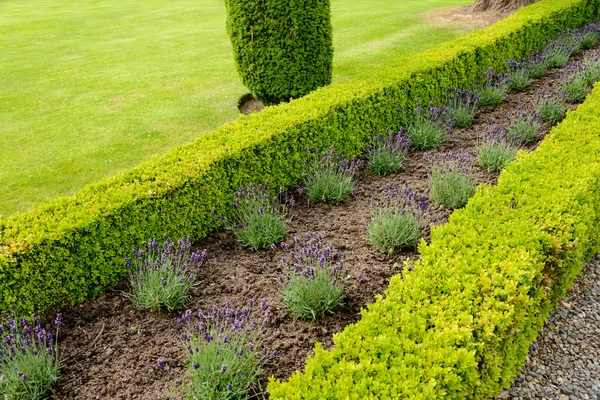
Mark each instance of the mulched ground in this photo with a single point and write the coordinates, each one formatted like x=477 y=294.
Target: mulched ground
x=110 y=348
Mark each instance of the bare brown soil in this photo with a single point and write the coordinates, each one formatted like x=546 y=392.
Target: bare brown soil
x=464 y=16
x=110 y=348
x=248 y=104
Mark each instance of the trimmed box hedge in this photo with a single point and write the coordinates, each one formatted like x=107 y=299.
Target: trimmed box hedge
x=73 y=248
x=459 y=326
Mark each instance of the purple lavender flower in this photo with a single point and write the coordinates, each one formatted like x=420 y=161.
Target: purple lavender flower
x=25 y=337
x=310 y=263
x=329 y=176
x=163 y=263
x=259 y=219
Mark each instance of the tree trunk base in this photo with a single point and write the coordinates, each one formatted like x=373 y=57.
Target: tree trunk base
x=500 y=5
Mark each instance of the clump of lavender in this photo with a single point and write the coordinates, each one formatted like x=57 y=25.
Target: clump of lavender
x=590 y=69
x=387 y=153
x=589 y=36
x=259 y=220
x=574 y=88
x=550 y=108
x=312 y=284
x=557 y=53
x=452 y=182
x=330 y=178
x=397 y=220
x=572 y=38
x=161 y=275
x=29 y=364
x=537 y=65
x=429 y=128
x=495 y=150
x=524 y=127
x=492 y=91
x=224 y=356
x=518 y=75
x=462 y=107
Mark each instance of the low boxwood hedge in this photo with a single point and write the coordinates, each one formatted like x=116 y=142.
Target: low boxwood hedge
x=73 y=248
x=459 y=326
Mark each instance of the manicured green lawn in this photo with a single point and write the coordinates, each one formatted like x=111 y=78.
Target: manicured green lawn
x=88 y=88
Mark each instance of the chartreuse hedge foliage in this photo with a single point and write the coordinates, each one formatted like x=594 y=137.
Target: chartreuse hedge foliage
x=73 y=248
x=282 y=49
x=459 y=326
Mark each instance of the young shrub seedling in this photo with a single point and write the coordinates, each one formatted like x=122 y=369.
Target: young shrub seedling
x=397 y=220
x=224 y=356
x=161 y=275
x=29 y=363
x=493 y=90
x=429 y=128
x=259 y=220
x=524 y=128
x=495 y=151
x=386 y=153
x=312 y=284
x=330 y=178
x=462 y=108
x=452 y=182
x=550 y=109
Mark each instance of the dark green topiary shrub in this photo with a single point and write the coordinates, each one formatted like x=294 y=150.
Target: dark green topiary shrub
x=282 y=49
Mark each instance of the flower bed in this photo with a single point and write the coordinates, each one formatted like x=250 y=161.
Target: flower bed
x=72 y=249
x=460 y=324
x=126 y=342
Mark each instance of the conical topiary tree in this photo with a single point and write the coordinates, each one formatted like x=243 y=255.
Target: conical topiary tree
x=282 y=48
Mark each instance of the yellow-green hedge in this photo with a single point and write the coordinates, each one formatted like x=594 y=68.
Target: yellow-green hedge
x=73 y=248
x=459 y=326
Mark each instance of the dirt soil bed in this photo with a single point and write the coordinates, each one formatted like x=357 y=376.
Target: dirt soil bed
x=110 y=348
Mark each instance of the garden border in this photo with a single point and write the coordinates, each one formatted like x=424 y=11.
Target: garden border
x=73 y=248
x=459 y=326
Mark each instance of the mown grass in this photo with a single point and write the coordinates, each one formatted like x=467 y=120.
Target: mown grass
x=90 y=88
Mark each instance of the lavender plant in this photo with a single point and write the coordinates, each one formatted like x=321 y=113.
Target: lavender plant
x=493 y=89
x=495 y=150
x=162 y=275
x=330 y=178
x=590 y=69
x=524 y=127
x=518 y=75
x=589 y=37
x=557 y=53
x=574 y=88
x=397 y=220
x=537 y=65
x=452 y=182
x=572 y=38
x=386 y=153
x=259 y=220
x=312 y=284
x=29 y=363
x=462 y=107
x=224 y=356
x=429 y=128
x=550 y=108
